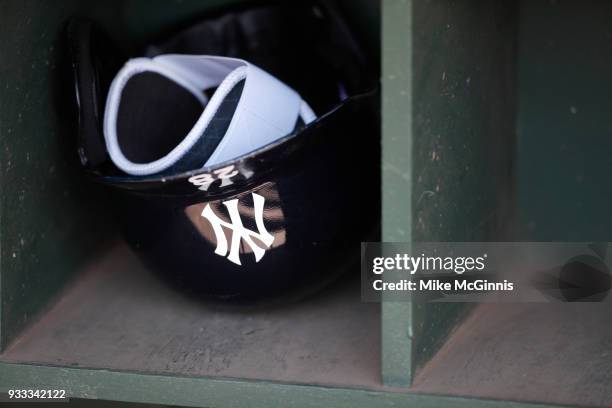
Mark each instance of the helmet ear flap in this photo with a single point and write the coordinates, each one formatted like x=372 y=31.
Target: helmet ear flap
x=262 y=112
x=94 y=61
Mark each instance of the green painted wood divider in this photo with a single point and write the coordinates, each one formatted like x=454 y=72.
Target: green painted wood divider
x=397 y=172
x=448 y=148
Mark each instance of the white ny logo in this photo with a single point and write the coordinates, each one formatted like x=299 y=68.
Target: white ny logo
x=239 y=232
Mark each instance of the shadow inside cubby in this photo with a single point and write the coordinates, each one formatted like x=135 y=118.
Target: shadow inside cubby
x=117 y=315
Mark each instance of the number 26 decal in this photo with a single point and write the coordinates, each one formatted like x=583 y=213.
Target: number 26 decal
x=225 y=174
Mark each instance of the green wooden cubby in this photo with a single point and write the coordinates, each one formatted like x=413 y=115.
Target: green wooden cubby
x=476 y=95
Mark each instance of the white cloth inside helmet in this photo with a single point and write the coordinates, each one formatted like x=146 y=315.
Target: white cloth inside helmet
x=266 y=111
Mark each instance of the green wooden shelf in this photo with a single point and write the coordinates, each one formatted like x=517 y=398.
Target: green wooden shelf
x=461 y=110
x=209 y=392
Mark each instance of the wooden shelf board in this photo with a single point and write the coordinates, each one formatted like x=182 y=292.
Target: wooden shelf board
x=119 y=316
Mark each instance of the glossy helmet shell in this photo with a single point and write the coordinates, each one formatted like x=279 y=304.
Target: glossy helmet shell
x=319 y=186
